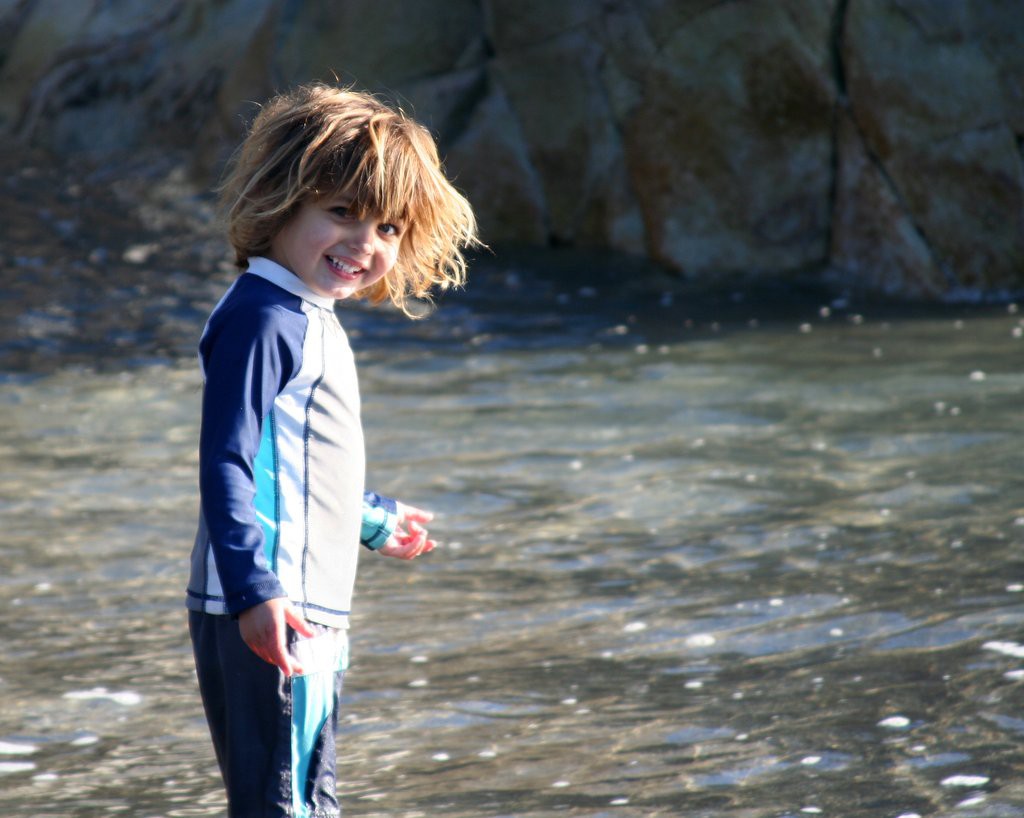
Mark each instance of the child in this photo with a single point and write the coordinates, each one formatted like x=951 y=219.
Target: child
x=332 y=195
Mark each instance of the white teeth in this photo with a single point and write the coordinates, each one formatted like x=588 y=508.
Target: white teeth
x=341 y=265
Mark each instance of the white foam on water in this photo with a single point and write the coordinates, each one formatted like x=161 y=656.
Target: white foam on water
x=895 y=722
x=810 y=761
x=700 y=640
x=635 y=627
x=16 y=748
x=7 y=767
x=965 y=781
x=127 y=698
x=1013 y=649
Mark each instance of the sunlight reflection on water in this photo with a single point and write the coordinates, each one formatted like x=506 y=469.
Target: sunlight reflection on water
x=682 y=574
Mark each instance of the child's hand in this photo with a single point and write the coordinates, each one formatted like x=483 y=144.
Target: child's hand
x=410 y=538
x=263 y=627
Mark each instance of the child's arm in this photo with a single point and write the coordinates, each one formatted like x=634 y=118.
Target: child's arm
x=248 y=355
x=380 y=519
x=394 y=529
x=410 y=538
x=264 y=629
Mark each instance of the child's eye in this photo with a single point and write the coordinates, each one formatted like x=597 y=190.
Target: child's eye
x=340 y=211
x=389 y=229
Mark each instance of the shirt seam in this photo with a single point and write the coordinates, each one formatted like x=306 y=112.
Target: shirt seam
x=306 y=474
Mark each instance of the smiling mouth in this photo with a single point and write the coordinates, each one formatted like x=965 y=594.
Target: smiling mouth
x=343 y=268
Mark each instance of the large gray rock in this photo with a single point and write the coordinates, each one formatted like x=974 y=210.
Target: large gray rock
x=489 y=163
x=931 y=103
x=99 y=78
x=876 y=141
x=875 y=244
x=569 y=135
x=729 y=141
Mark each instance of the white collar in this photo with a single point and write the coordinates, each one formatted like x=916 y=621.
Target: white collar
x=287 y=280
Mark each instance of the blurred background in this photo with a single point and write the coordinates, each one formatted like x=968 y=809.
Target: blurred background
x=875 y=143
x=724 y=433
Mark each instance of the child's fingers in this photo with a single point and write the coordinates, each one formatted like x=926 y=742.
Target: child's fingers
x=417 y=533
x=269 y=651
x=289 y=666
x=298 y=622
x=264 y=629
x=411 y=545
x=419 y=542
x=411 y=513
x=275 y=651
x=276 y=656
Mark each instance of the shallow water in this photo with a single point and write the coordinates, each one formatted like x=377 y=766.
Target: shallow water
x=744 y=568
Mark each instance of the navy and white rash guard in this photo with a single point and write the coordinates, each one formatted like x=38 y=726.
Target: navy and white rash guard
x=281 y=457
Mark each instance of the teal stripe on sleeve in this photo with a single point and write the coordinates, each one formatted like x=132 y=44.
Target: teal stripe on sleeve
x=378 y=525
x=267 y=502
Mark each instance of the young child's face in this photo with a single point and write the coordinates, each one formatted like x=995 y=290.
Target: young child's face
x=334 y=253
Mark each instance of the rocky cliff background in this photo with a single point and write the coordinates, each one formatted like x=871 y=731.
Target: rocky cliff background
x=873 y=143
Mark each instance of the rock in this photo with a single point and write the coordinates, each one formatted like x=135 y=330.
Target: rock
x=489 y=163
x=84 y=77
x=428 y=62
x=729 y=149
x=996 y=26
x=45 y=29
x=930 y=103
x=878 y=139
x=374 y=44
x=527 y=24
x=556 y=91
x=876 y=247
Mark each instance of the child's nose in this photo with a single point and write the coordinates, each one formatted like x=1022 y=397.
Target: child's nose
x=362 y=237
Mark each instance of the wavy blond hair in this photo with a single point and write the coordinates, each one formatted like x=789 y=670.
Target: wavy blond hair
x=316 y=141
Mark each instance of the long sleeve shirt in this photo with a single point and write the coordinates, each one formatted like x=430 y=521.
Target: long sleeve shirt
x=281 y=458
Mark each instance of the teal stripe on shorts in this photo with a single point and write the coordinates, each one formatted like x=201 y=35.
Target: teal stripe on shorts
x=313 y=703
